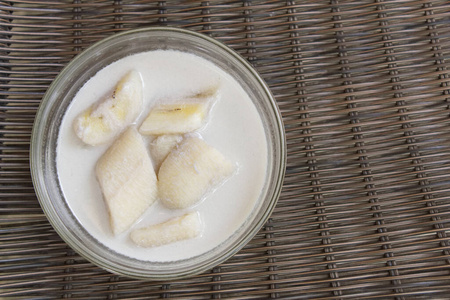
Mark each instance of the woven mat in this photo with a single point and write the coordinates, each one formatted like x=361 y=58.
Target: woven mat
x=363 y=88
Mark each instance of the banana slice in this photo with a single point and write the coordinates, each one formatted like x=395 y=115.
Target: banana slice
x=127 y=179
x=162 y=146
x=103 y=121
x=184 y=227
x=177 y=118
x=189 y=171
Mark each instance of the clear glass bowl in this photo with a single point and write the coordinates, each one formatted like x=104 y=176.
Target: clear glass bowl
x=57 y=100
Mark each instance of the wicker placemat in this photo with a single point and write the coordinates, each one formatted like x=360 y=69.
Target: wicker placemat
x=363 y=89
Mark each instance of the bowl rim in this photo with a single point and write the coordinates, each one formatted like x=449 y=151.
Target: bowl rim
x=37 y=153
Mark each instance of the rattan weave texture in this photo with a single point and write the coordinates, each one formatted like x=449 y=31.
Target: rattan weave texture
x=363 y=87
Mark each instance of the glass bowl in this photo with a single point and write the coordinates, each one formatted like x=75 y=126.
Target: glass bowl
x=57 y=101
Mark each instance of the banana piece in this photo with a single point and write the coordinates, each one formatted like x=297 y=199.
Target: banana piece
x=127 y=180
x=184 y=227
x=161 y=147
x=189 y=171
x=174 y=118
x=103 y=121
x=177 y=118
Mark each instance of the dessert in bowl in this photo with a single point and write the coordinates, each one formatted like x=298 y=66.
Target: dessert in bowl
x=158 y=153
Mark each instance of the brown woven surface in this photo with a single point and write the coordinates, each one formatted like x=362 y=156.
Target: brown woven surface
x=363 y=89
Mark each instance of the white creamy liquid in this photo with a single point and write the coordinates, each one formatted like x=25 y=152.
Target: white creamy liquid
x=234 y=128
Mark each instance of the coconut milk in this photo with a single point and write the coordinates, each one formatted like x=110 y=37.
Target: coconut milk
x=234 y=128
